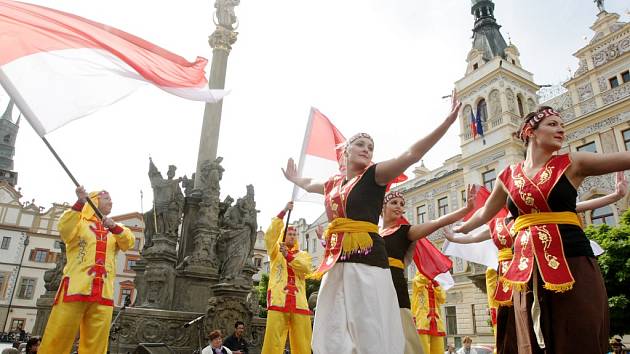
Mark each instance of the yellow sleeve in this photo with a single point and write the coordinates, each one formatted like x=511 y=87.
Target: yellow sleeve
x=125 y=240
x=68 y=225
x=272 y=237
x=440 y=295
x=301 y=264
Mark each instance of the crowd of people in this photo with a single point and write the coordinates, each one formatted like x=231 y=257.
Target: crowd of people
x=551 y=297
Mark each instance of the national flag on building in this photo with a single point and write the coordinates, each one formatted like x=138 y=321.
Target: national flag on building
x=478 y=123
x=59 y=67
x=473 y=125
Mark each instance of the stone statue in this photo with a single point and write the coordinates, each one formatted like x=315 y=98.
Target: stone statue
x=52 y=277
x=495 y=105
x=168 y=203
x=600 y=5
x=188 y=184
x=224 y=206
x=156 y=287
x=225 y=15
x=238 y=231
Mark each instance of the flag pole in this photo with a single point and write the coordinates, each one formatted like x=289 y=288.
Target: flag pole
x=25 y=109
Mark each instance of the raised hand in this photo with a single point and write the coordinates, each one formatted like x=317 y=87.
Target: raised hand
x=621 y=184
x=448 y=233
x=290 y=172
x=456 y=104
x=471 y=195
x=81 y=194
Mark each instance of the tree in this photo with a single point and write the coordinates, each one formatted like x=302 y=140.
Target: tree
x=312 y=285
x=615 y=267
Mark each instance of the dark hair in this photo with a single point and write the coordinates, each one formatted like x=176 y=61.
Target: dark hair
x=31 y=342
x=238 y=323
x=527 y=120
x=215 y=334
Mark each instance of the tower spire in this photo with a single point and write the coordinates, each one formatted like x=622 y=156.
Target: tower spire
x=486 y=35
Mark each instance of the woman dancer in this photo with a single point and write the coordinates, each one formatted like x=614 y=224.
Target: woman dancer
x=399 y=235
x=560 y=300
x=499 y=293
x=356 y=306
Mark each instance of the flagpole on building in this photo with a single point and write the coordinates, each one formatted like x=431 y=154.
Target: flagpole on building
x=25 y=109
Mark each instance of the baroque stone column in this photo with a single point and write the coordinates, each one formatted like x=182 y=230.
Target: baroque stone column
x=221 y=42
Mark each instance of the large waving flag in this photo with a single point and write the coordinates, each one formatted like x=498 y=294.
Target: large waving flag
x=322 y=154
x=59 y=67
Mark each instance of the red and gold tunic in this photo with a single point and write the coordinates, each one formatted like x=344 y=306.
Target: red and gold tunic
x=503 y=239
x=538 y=238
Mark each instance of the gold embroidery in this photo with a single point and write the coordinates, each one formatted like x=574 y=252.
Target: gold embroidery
x=523 y=263
x=545 y=175
x=545 y=237
x=518 y=180
x=506 y=287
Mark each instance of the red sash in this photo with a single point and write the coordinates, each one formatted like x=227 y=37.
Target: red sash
x=541 y=244
x=335 y=197
x=503 y=239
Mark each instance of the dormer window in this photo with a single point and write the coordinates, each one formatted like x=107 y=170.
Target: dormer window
x=475 y=66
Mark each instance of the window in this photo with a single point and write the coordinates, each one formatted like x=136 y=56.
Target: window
x=464 y=197
x=136 y=245
x=125 y=291
x=625 y=76
x=58 y=245
x=257 y=262
x=130 y=261
x=513 y=61
x=475 y=66
x=626 y=139
x=7 y=138
x=26 y=289
x=39 y=255
x=603 y=215
x=489 y=178
x=590 y=147
x=451 y=319
x=421 y=213
x=613 y=82
x=6 y=241
x=519 y=102
x=482 y=110
x=4 y=282
x=17 y=324
x=474 y=318
x=442 y=206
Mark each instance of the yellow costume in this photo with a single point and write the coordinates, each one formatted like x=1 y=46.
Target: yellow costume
x=286 y=296
x=85 y=296
x=426 y=298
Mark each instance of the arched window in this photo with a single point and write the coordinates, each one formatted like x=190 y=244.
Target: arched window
x=519 y=102
x=603 y=215
x=482 y=110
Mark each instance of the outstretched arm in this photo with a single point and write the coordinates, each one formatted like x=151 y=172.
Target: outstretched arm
x=621 y=189
x=419 y=231
x=586 y=164
x=495 y=202
x=476 y=238
x=305 y=183
x=390 y=169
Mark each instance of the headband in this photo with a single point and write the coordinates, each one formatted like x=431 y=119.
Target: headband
x=535 y=119
x=359 y=136
x=391 y=195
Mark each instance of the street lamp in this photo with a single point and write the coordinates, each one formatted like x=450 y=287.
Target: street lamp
x=17 y=276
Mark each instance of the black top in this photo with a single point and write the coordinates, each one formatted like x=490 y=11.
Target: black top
x=563 y=198
x=365 y=203
x=397 y=245
x=234 y=343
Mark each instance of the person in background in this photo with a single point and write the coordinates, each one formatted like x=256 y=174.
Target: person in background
x=466 y=349
x=236 y=342
x=216 y=344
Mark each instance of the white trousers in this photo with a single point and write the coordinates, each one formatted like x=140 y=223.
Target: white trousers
x=357 y=312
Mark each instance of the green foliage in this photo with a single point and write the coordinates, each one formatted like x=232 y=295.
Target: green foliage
x=615 y=266
x=262 y=294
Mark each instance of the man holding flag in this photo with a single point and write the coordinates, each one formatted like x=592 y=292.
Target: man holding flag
x=286 y=295
x=85 y=296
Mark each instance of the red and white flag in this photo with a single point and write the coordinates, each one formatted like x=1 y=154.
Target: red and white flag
x=59 y=67
x=321 y=156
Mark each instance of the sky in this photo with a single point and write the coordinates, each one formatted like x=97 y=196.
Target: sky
x=372 y=66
